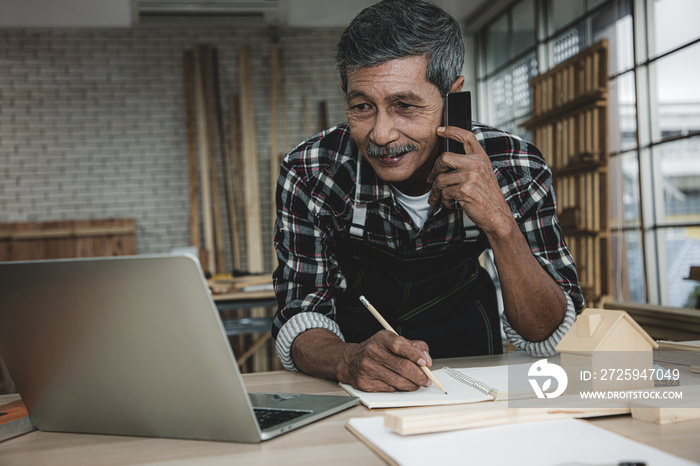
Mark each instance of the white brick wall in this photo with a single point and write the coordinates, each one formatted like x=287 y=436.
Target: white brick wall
x=92 y=121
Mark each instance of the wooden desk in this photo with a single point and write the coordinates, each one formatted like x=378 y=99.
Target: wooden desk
x=324 y=442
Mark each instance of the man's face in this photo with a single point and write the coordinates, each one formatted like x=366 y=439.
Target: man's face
x=393 y=112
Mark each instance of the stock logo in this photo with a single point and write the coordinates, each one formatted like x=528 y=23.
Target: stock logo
x=546 y=372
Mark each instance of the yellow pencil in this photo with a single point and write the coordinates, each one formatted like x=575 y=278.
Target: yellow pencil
x=388 y=327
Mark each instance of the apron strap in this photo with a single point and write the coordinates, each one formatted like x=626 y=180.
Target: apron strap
x=359 y=214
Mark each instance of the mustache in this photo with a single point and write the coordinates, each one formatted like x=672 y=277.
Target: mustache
x=374 y=150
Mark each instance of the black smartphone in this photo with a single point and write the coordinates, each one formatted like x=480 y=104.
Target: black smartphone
x=457 y=111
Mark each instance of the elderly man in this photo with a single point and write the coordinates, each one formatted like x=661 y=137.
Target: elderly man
x=374 y=207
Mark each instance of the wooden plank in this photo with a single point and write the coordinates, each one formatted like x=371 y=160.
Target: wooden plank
x=564 y=143
x=551 y=138
x=195 y=239
x=670 y=411
x=250 y=163
x=604 y=216
x=597 y=130
x=323 y=115
x=581 y=135
x=574 y=199
x=605 y=266
x=252 y=195
x=598 y=80
x=665 y=414
x=558 y=145
x=599 y=210
x=238 y=180
x=447 y=418
x=597 y=262
x=285 y=103
x=206 y=53
x=274 y=146
x=558 y=87
x=572 y=139
x=588 y=83
x=209 y=262
x=230 y=201
x=593 y=209
x=67 y=239
x=67 y=232
x=564 y=85
x=581 y=79
x=590 y=262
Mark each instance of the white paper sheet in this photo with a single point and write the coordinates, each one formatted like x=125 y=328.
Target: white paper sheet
x=568 y=442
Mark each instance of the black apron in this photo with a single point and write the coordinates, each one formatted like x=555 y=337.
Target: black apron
x=444 y=297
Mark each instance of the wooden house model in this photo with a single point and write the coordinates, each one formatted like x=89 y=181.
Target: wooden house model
x=607 y=350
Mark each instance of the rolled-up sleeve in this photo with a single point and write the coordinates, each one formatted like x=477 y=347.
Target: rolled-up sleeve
x=543 y=348
x=307 y=276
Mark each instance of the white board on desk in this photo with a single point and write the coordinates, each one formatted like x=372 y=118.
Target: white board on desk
x=567 y=442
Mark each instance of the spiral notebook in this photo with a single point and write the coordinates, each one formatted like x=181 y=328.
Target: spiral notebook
x=469 y=385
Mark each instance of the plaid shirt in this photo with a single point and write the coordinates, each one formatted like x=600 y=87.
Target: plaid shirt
x=315 y=200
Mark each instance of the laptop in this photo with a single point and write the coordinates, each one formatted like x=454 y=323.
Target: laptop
x=134 y=346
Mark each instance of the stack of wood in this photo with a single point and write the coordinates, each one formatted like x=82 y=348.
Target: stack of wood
x=569 y=125
x=223 y=170
x=205 y=132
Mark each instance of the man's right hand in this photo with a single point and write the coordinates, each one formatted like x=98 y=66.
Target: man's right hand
x=383 y=363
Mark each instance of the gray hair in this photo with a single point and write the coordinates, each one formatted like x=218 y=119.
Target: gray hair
x=394 y=29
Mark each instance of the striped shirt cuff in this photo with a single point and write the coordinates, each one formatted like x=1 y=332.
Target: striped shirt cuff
x=298 y=324
x=543 y=348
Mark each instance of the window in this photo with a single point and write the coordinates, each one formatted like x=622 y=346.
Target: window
x=523 y=36
x=497 y=44
x=677 y=93
x=628 y=282
x=563 y=13
x=675 y=24
x=511 y=61
x=625 y=201
x=678 y=175
x=614 y=22
x=622 y=113
x=568 y=44
x=653 y=122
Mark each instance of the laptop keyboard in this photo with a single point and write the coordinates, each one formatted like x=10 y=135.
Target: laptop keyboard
x=270 y=417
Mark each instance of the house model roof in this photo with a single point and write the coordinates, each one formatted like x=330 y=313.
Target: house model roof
x=605 y=330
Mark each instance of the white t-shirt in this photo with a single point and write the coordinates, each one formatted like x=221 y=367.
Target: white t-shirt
x=416 y=206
